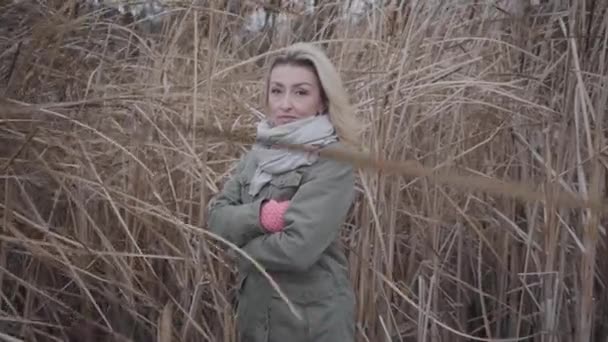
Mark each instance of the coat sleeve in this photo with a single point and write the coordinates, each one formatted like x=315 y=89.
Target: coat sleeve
x=312 y=221
x=231 y=219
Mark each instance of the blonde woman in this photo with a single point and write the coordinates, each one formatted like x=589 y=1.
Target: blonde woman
x=285 y=208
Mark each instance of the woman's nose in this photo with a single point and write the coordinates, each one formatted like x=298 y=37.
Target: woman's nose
x=285 y=101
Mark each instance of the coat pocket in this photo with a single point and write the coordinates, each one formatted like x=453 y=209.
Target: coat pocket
x=333 y=319
x=285 y=185
x=284 y=325
x=317 y=284
x=252 y=324
x=252 y=317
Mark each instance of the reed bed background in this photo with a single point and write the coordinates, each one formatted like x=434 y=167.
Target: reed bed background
x=106 y=167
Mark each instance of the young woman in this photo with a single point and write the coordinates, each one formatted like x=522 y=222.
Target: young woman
x=285 y=208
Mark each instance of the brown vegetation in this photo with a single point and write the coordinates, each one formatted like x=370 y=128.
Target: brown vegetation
x=112 y=139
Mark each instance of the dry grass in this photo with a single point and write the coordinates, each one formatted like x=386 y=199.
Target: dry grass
x=112 y=140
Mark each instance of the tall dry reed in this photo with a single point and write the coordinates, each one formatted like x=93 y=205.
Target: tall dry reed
x=107 y=162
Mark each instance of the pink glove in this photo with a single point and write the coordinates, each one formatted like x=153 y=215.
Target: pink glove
x=271 y=215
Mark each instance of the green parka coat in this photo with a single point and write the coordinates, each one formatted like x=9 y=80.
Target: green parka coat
x=305 y=259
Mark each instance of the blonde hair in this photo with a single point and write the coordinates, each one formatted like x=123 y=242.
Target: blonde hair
x=341 y=112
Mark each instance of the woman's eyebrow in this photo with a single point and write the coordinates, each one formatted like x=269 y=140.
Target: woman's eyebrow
x=294 y=85
x=302 y=83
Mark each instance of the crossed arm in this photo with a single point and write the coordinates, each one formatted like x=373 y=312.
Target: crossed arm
x=312 y=221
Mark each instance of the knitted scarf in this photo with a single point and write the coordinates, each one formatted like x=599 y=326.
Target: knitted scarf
x=316 y=131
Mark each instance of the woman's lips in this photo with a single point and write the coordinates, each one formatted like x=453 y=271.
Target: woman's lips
x=285 y=118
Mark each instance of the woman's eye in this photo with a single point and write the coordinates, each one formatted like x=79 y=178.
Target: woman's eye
x=301 y=93
x=275 y=91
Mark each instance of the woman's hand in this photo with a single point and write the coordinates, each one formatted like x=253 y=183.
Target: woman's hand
x=272 y=215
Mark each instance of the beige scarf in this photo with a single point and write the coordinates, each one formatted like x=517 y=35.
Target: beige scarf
x=314 y=131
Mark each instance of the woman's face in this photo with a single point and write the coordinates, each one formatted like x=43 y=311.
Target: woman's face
x=294 y=93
